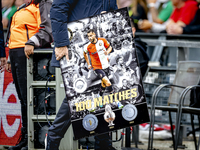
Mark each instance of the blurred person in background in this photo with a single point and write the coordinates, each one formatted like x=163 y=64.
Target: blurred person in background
x=183 y=14
x=30 y=28
x=138 y=10
x=124 y=3
x=7 y=11
x=141 y=47
x=192 y=28
x=159 y=16
x=2 y=49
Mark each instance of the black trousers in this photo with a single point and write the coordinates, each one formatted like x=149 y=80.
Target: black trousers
x=18 y=68
x=62 y=122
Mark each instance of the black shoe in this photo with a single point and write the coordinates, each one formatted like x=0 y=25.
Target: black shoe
x=25 y=148
x=22 y=141
x=21 y=144
x=52 y=145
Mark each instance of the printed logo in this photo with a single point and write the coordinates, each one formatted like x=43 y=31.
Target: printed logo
x=10 y=110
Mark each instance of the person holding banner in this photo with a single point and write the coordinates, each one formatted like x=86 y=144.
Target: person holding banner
x=63 y=12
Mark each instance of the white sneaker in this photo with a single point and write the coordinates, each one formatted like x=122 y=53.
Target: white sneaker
x=45 y=142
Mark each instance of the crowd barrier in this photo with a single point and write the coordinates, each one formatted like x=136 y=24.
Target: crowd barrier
x=165 y=52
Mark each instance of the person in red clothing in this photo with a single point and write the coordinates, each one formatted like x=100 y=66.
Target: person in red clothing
x=183 y=14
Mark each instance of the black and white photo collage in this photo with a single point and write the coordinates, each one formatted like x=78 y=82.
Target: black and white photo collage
x=81 y=82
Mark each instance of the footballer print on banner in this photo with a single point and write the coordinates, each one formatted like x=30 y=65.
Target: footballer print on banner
x=101 y=75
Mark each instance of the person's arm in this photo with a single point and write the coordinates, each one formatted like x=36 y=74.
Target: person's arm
x=174 y=28
x=107 y=46
x=154 y=14
x=191 y=29
x=154 y=11
x=129 y=59
x=59 y=18
x=87 y=60
x=170 y=23
x=109 y=50
x=180 y=23
x=6 y=19
x=144 y=25
x=156 y=27
x=165 y=13
x=112 y=5
x=44 y=36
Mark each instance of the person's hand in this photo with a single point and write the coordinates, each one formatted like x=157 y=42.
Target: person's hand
x=8 y=67
x=169 y=29
x=60 y=52
x=28 y=50
x=144 y=25
x=133 y=30
x=90 y=67
x=175 y=29
x=3 y=64
x=103 y=12
x=105 y=52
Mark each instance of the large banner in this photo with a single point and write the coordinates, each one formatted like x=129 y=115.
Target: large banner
x=102 y=77
x=10 y=110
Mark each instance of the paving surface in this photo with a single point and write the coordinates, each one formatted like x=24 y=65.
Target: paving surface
x=165 y=145
x=157 y=145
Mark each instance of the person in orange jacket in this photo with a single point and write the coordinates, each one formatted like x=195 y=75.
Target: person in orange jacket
x=30 y=28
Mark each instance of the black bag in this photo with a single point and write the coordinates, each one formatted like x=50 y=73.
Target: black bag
x=195 y=97
x=143 y=58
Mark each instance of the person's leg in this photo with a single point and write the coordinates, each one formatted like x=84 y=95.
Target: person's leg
x=59 y=127
x=21 y=72
x=105 y=82
x=108 y=84
x=102 y=88
x=18 y=68
x=103 y=142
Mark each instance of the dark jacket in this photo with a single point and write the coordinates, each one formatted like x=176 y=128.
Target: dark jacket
x=2 y=49
x=194 y=26
x=65 y=11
